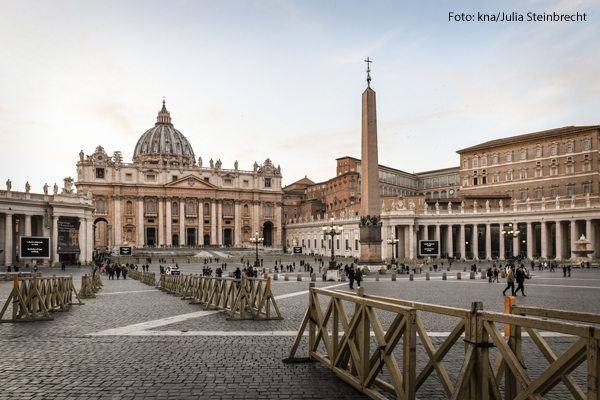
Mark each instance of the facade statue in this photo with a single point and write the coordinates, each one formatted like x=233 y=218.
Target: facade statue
x=235 y=165
x=449 y=206
x=557 y=201
x=582 y=237
x=8 y=185
x=462 y=204
x=89 y=194
x=437 y=206
x=68 y=188
x=27 y=187
x=411 y=206
x=218 y=164
x=212 y=164
x=55 y=188
x=81 y=156
x=200 y=162
x=278 y=170
x=46 y=188
x=500 y=203
x=527 y=201
x=487 y=204
x=255 y=166
x=573 y=201
x=475 y=204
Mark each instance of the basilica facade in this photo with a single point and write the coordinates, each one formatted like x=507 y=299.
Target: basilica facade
x=167 y=198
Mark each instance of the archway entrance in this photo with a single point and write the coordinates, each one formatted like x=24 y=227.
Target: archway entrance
x=227 y=237
x=100 y=233
x=151 y=236
x=206 y=240
x=268 y=234
x=191 y=236
x=175 y=240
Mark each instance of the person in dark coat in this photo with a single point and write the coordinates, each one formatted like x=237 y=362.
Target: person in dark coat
x=520 y=276
x=118 y=270
x=358 y=276
x=124 y=273
x=351 y=277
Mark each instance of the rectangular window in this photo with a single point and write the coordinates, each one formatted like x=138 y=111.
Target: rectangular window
x=483 y=180
x=553 y=150
x=207 y=180
x=466 y=182
x=267 y=182
x=227 y=182
x=538 y=194
x=355 y=244
x=554 y=171
x=151 y=178
x=569 y=169
x=569 y=147
x=537 y=152
x=586 y=145
x=484 y=161
x=347 y=248
x=570 y=191
x=508 y=157
x=538 y=173
x=523 y=174
x=587 y=188
x=175 y=177
x=337 y=244
x=495 y=178
x=128 y=177
x=553 y=192
x=523 y=195
x=475 y=163
x=586 y=167
x=523 y=155
x=494 y=159
x=99 y=173
x=465 y=164
x=509 y=176
x=246 y=183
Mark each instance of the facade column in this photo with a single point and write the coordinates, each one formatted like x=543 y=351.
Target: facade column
x=117 y=218
x=406 y=240
x=450 y=244
x=574 y=238
x=8 y=240
x=461 y=238
x=279 y=227
x=140 y=226
x=54 y=244
x=488 y=241
x=559 y=240
x=590 y=234
x=89 y=242
x=82 y=240
x=530 y=240
x=220 y=222
x=237 y=229
x=256 y=215
x=516 y=244
x=411 y=241
x=544 y=232
x=213 y=222
x=200 y=239
x=437 y=234
x=182 y=238
x=161 y=221
x=169 y=221
x=501 y=240
x=27 y=225
x=475 y=242
x=425 y=232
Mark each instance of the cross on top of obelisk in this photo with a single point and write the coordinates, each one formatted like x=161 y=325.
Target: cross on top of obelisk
x=368 y=71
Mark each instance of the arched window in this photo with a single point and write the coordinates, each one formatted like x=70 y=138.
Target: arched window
x=385 y=190
x=444 y=194
x=227 y=209
x=267 y=211
x=191 y=208
x=206 y=209
x=245 y=209
x=436 y=195
x=150 y=207
x=428 y=195
x=129 y=207
x=380 y=190
x=100 y=205
x=175 y=208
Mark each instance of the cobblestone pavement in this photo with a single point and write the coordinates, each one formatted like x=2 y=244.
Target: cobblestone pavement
x=120 y=345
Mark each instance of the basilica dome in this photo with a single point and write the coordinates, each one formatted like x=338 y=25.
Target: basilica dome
x=163 y=139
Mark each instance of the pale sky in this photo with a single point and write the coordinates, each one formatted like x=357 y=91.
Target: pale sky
x=250 y=80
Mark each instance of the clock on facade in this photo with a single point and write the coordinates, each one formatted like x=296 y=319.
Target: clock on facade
x=451 y=191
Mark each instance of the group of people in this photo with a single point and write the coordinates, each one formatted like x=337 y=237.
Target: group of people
x=519 y=275
x=115 y=269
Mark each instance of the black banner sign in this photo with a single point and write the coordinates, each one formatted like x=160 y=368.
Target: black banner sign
x=125 y=250
x=297 y=250
x=429 y=248
x=68 y=237
x=34 y=247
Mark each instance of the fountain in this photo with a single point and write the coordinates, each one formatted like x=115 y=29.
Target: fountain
x=583 y=252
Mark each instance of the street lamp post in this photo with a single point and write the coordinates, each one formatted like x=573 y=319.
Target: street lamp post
x=512 y=234
x=332 y=231
x=256 y=239
x=392 y=241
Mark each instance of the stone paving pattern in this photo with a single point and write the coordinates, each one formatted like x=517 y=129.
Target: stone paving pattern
x=59 y=360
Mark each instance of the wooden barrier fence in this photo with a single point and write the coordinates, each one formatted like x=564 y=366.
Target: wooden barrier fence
x=245 y=298
x=350 y=355
x=145 y=277
x=36 y=297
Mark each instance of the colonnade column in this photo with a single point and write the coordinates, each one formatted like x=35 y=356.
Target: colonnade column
x=220 y=222
x=574 y=238
x=488 y=241
x=590 y=234
x=238 y=222
x=27 y=225
x=161 y=221
x=502 y=254
x=182 y=237
x=437 y=233
x=140 y=227
x=279 y=235
x=8 y=240
x=54 y=244
x=411 y=241
x=406 y=240
x=559 y=240
x=117 y=226
x=213 y=222
x=461 y=238
x=82 y=240
x=169 y=220
x=450 y=244
x=530 y=240
x=515 y=241
x=475 y=241
x=544 y=250
x=425 y=232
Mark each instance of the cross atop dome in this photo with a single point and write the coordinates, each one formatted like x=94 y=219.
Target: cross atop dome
x=164 y=116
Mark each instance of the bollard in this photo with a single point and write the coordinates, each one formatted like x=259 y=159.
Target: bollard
x=343 y=277
x=377 y=276
x=275 y=277
x=458 y=275
x=479 y=269
x=313 y=277
x=393 y=277
x=509 y=301
x=411 y=277
x=502 y=274
x=464 y=269
x=299 y=277
x=448 y=269
x=286 y=277
x=430 y=268
x=265 y=275
x=270 y=270
x=482 y=275
x=427 y=276
x=319 y=269
x=472 y=275
x=443 y=276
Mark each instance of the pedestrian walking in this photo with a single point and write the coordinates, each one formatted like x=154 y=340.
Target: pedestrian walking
x=351 y=277
x=520 y=277
x=496 y=273
x=510 y=281
x=125 y=273
x=358 y=276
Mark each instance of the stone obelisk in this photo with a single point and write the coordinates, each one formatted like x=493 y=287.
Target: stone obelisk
x=370 y=225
